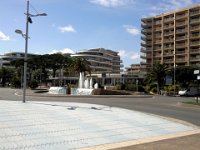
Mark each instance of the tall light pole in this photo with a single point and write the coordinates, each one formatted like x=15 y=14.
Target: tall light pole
x=28 y=20
x=174 y=73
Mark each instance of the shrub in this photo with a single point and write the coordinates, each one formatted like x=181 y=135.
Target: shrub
x=33 y=84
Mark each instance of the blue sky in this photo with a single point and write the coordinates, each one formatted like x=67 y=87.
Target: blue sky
x=74 y=25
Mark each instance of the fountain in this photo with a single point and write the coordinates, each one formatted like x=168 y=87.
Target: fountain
x=85 y=86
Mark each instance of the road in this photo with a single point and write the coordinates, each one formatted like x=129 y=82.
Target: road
x=159 y=105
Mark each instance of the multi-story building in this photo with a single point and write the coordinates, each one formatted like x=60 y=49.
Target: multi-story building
x=102 y=60
x=172 y=38
x=8 y=57
x=137 y=70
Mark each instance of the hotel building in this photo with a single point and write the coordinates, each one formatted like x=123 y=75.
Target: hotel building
x=102 y=60
x=172 y=38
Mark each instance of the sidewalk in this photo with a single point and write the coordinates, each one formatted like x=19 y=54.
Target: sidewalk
x=66 y=126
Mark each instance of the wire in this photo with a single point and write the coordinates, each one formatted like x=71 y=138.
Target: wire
x=34 y=9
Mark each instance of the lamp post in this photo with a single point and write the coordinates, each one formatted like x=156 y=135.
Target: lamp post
x=174 y=73
x=28 y=20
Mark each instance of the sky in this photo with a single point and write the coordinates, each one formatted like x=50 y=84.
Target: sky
x=74 y=25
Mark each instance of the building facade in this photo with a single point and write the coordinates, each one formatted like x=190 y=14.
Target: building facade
x=172 y=38
x=102 y=60
x=6 y=59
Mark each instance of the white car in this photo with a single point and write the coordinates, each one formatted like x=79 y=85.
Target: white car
x=189 y=92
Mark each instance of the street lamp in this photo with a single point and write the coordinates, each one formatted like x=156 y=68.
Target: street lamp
x=28 y=20
x=174 y=73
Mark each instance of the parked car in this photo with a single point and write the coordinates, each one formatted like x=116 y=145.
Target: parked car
x=189 y=92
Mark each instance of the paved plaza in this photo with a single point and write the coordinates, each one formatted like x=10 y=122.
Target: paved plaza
x=66 y=126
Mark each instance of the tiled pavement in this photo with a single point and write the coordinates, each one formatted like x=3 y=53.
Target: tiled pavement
x=61 y=126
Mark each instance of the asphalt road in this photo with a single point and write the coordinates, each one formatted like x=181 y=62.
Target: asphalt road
x=159 y=105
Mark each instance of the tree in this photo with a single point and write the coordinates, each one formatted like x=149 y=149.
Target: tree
x=80 y=64
x=157 y=74
x=6 y=75
x=184 y=75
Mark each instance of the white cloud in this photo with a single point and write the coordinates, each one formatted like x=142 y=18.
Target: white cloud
x=135 y=56
x=63 y=51
x=68 y=28
x=122 y=53
x=112 y=3
x=132 y=30
x=4 y=37
x=170 y=5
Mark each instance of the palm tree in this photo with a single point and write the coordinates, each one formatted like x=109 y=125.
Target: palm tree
x=80 y=64
x=157 y=74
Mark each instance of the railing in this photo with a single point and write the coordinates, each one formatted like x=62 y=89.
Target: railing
x=181 y=23
x=194 y=27
x=180 y=45
x=194 y=50
x=181 y=37
x=168 y=33
x=195 y=35
x=181 y=16
x=195 y=43
x=168 y=19
x=168 y=26
x=180 y=59
x=195 y=20
x=168 y=40
x=194 y=12
x=181 y=30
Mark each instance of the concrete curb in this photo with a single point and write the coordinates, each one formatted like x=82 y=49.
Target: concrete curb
x=85 y=96
x=141 y=141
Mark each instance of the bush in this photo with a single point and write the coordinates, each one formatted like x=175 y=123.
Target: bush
x=33 y=84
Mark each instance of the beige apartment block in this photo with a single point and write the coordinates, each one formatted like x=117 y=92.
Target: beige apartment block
x=172 y=38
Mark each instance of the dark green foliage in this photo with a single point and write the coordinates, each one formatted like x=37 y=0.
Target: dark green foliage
x=33 y=84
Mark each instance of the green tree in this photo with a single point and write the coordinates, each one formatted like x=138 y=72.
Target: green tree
x=184 y=75
x=157 y=75
x=6 y=75
x=80 y=64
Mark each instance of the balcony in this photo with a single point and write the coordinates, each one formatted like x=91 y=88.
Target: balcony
x=144 y=38
x=146 y=25
x=168 y=60
x=144 y=31
x=181 y=52
x=194 y=43
x=181 y=31
x=146 y=56
x=157 y=29
x=146 y=43
x=196 y=20
x=195 y=12
x=179 y=45
x=195 y=51
x=181 y=16
x=157 y=48
x=145 y=50
x=168 y=33
x=169 y=26
x=182 y=23
x=170 y=19
x=180 y=59
x=157 y=41
x=195 y=36
x=168 y=40
x=168 y=53
x=169 y=47
x=195 y=28
x=180 y=38
x=158 y=22
x=195 y=58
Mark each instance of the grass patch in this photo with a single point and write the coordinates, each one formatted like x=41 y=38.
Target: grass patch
x=192 y=103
